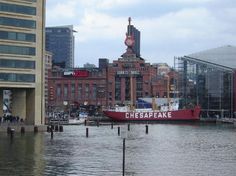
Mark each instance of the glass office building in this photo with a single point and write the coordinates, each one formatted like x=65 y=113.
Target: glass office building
x=60 y=42
x=21 y=59
x=207 y=78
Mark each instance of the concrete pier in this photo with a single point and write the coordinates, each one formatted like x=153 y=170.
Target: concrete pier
x=18 y=127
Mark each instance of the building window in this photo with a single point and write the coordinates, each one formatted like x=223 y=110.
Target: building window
x=66 y=91
x=94 y=91
x=58 y=90
x=80 y=91
x=21 y=50
x=30 y=0
x=17 y=64
x=127 y=89
x=139 y=87
x=87 y=91
x=17 y=22
x=73 y=91
x=17 y=9
x=13 y=77
x=117 y=88
x=17 y=36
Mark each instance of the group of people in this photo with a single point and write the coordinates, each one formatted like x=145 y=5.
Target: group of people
x=10 y=119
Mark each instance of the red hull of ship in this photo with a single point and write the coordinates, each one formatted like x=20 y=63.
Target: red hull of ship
x=184 y=114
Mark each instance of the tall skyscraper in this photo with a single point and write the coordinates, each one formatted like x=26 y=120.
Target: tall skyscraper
x=21 y=59
x=60 y=42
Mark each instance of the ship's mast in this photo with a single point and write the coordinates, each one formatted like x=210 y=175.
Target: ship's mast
x=168 y=91
x=131 y=93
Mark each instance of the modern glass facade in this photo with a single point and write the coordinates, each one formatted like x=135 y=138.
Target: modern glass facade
x=60 y=42
x=17 y=9
x=206 y=84
x=17 y=22
x=21 y=50
x=19 y=36
x=6 y=63
x=13 y=77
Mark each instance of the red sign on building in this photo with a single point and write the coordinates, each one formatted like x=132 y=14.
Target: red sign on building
x=77 y=73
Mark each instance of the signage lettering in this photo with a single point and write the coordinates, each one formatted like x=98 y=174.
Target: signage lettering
x=150 y=115
x=132 y=72
x=77 y=73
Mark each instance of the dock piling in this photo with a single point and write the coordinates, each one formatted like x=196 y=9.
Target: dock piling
x=118 y=131
x=12 y=131
x=87 y=132
x=56 y=128
x=22 y=130
x=36 y=129
x=8 y=130
x=60 y=128
x=146 y=129
x=123 y=168
x=51 y=133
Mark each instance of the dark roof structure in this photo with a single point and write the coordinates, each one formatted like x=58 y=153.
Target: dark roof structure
x=224 y=56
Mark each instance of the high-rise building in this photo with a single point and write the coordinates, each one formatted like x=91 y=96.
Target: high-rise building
x=103 y=63
x=60 y=42
x=135 y=33
x=21 y=58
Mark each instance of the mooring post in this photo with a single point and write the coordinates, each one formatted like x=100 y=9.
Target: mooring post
x=12 y=133
x=146 y=129
x=60 y=128
x=87 y=132
x=123 y=157
x=128 y=127
x=111 y=125
x=8 y=130
x=118 y=131
x=51 y=133
x=48 y=129
x=36 y=129
x=22 y=130
x=56 y=128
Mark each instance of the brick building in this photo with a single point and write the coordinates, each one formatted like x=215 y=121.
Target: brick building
x=121 y=82
x=76 y=87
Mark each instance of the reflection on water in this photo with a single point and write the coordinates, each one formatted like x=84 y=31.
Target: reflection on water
x=168 y=149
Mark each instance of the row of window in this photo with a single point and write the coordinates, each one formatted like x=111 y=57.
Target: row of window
x=17 y=36
x=17 y=64
x=17 y=22
x=13 y=77
x=81 y=94
x=17 y=9
x=21 y=50
x=30 y=0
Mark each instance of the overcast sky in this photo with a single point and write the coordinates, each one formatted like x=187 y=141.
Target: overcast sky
x=168 y=27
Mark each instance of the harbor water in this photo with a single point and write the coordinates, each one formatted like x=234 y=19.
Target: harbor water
x=167 y=150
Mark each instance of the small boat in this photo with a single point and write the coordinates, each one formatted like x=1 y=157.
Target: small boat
x=76 y=121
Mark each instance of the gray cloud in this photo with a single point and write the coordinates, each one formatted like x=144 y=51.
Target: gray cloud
x=168 y=27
